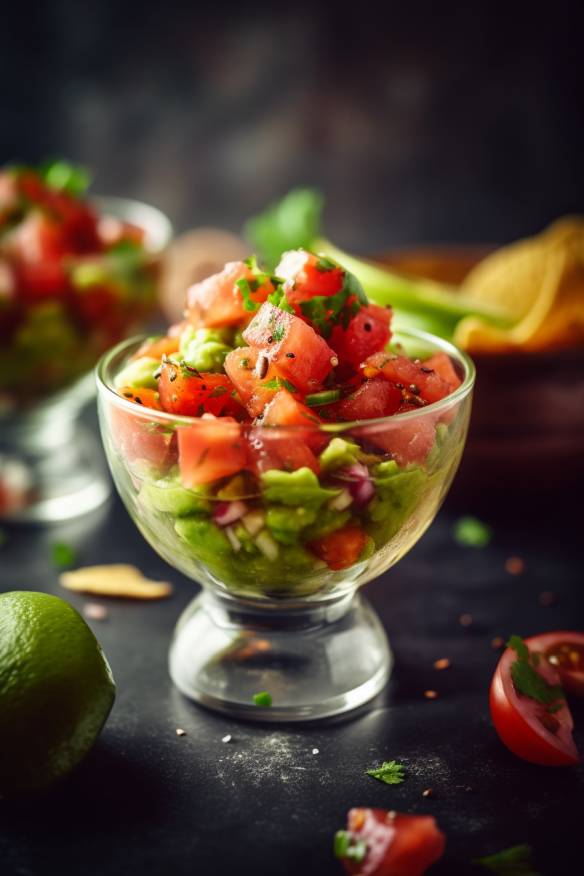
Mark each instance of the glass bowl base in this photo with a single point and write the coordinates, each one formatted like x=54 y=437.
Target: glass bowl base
x=314 y=662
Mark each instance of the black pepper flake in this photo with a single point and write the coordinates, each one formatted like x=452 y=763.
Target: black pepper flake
x=367 y=326
x=173 y=376
x=271 y=339
x=128 y=394
x=414 y=389
x=427 y=370
x=138 y=400
x=290 y=355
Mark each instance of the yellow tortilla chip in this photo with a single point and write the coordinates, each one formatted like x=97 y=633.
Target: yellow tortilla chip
x=120 y=580
x=542 y=282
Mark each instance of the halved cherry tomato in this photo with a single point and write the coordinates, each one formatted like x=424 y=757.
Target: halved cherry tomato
x=382 y=843
x=193 y=394
x=217 y=301
x=295 y=350
x=210 y=449
x=565 y=651
x=535 y=732
x=342 y=548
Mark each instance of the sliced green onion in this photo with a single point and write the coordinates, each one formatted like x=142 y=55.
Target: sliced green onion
x=326 y=397
x=263 y=698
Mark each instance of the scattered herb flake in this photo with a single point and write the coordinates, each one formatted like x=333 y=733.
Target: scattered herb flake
x=219 y=390
x=62 y=554
x=528 y=681
x=347 y=847
x=516 y=861
x=391 y=772
x=278 y=299
x=245 y=288
x=472 y=532
x=263 y=698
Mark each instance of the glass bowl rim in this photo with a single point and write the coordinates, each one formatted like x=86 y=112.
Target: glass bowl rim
x=151 y=219
x=105 y=385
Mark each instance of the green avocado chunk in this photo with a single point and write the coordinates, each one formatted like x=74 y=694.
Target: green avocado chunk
x=286 y=523
x=398 y=493
x=328 y=521
x=300 y=487
x=168 y=495
x=337 y=454
x=140 y=372
x=204 y=349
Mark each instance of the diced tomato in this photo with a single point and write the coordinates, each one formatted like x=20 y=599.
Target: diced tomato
x=193 y=394
x=307 y=275
x=283 y=449
x=532 y=730
x=342 y=548
x=255 y=393
x=217 y=301
x=388 y=843
x=37 y=280
x=367 y=333
x=374 y=398
x=210 y=449
x=285 y=410
x=139 y=437
x=297 y=353
x=408 y=441
x=157 y=348
x=141 y=395
x=37 y=239
x=416 y=378
x=443 y=367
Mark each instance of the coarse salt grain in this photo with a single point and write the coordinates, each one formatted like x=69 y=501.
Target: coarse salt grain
x=227 y=738
x=315 y=750
x=180 y=731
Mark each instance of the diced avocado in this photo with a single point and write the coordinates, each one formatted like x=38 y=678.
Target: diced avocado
x=433 y=458
x=337 y=454
x=140 y=372
x=328 y=521
x=89 y=274
x=167 y=495
x=209 y=543
x=204 y=349
x=299 y=487
x=398 y=492
x=286 y=523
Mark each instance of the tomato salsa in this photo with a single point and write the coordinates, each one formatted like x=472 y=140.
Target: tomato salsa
x=265 y=474
x=72 y=281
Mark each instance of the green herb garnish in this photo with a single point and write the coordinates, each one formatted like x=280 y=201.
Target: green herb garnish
x=527 y=680
x=245 y=287
x=326 y=397
x=348 y=847
x=278 y=299
x=516 y=861
x=279 y=383
x=472 y=532
x=263 y=698
x=218 y=391
x=62 y=554
x=391 y=772
x=326 y=311
x=66 y=177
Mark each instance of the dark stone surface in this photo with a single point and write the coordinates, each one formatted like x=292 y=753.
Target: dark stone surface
x=147 y=801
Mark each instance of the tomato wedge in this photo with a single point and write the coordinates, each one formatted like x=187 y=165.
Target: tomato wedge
x=565 y=651
x=382 y=843
x=537 y=728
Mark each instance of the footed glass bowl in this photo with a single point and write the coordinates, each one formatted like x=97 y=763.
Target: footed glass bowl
x=287 y=526
x=50 y=467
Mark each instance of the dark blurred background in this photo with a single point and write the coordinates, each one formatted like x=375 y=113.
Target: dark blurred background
x=421 y=123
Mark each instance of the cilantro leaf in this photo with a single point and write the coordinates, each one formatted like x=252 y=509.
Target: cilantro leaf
x=527 y=680
x=326 y=311
x=390 y=772
x=279 y=383
x=472 y=532
x=278 y=299
x=515 y=861
x=62 y=554
x=263 y=699
x=292 y=223
x=245 y=287
x=66 y=177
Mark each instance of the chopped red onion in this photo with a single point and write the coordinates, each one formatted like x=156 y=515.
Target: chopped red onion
x=358 y=482
x=226 y=513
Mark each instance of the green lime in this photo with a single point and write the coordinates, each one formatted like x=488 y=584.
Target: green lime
x=56 y=690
